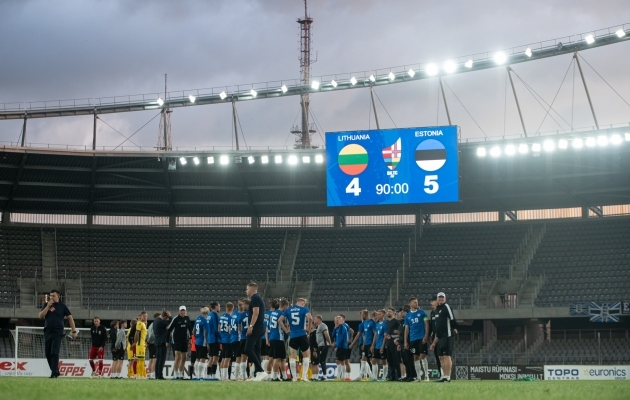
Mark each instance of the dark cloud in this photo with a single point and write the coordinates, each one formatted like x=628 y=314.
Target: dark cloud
x=77 y=49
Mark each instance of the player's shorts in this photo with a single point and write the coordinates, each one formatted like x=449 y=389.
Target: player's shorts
x=242 y=345
x=380 y=356
x=118 y=354
x=277 y=349
x=214 y=350
x=226 y=351
x=152 y=352
x=342 y=354
x=181 y=346
x=202 y=352
x=366 y=351
x=264 y=349
x=131 y=353
x=96 y=353
x=236 y=350
x=314 y=356
x=444 y=346
x=193 y=356
x=417 y=347
x=300 y=343
x=141 y=351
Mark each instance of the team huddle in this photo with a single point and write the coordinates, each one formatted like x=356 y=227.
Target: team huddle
x=250 y=342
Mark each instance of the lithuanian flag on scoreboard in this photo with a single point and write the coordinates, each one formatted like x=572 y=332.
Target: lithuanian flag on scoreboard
x=353 y=159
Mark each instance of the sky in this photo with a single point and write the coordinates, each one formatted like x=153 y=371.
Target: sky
x=71 y=49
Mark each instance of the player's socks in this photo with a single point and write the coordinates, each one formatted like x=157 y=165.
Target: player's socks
x=385 y=368
x=244 y=370
x=93 y=366
x=375 y=371
x=306 y=362
x=418 y=365
x=100 y=367
x=142 y=372
x=363 y=372
x=447 y=377
x=293 y=368
x=236 y=370
x=425 y=367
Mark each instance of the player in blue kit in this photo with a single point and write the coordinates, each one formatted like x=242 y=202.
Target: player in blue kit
x=213 y=340
x=379 y=350
x=235 y=343
x=350 y=333
x=417 y=337
x=264 y=345
x=200 y=330
x=365 y=336
x=226 y=343
x=278 y=351
x=243 y=325
x=299 y=319
x=340 y=339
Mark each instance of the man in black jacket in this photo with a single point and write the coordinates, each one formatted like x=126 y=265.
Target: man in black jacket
x=445 y=328
x=180 y=329
x=98 y=334
x=160 y=330
x=432 y=333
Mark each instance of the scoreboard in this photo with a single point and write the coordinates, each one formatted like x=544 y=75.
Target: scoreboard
x=392 y=166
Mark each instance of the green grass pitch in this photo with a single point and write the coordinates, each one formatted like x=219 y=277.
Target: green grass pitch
x=80 y=389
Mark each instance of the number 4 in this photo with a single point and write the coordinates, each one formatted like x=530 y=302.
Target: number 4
x=431 y=185
x=354 y=188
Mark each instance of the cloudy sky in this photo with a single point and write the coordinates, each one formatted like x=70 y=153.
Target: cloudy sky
x=89 y=49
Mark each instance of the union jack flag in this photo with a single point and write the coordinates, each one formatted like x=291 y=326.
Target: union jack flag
x=392 y=156
x=604 y=312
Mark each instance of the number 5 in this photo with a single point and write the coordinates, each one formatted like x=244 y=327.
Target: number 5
x=431 y=185
x=353 y=187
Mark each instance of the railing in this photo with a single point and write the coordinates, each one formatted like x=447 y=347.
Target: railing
x=284 y=246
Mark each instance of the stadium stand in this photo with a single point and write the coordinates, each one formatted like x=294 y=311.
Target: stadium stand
x=20 y=255
x=584 y=261
x=585 y=351
x=352 y=269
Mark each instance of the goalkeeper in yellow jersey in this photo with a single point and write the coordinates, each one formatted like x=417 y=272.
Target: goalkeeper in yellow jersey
x=131 y=350
x=140 y=340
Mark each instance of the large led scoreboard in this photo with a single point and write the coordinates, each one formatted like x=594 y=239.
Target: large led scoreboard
x=392 y=166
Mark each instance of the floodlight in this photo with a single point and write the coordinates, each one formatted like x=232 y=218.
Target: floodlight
x=616 y=139
x=210 y=160
x=627 y=136
x=196 y=160
x=182 y=160
x=536 y=147
x=468 y=64
x=253 y=93
x=495 y=151
x=523 y=148
x=224 y=160
x=315 y=85
x=589 y=39
x=319 y=159
x=500 y=57
x=160 y=101
x=528 y=52
x=411 y=72
x=510 y=149
x=602 y=140
x=306 y=159
x=278 y=159
x=391 y=76
x=292 y=160
x=251 y=159
x=549 y=145
x=591 y=142
x=372 y=78
x=222 y=95
x=563 y=144
x=621 y=33
x=333 y=83
x=353 y=80
x=578 y=143
x=481 y=151
x=264 y=159
x=431 y=69
x=192 y=98
x=284 y=88
x=450 y=66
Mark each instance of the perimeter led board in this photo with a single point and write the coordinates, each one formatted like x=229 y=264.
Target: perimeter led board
x=392 y=166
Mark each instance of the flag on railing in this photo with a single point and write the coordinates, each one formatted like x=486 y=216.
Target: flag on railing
x=604 y=312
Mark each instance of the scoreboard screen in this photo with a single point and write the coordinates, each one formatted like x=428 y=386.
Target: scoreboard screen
x=392 y=166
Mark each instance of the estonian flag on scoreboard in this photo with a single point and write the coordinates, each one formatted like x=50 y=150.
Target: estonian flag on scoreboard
x=430 y=155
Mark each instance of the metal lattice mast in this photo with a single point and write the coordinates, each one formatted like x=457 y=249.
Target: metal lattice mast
x=304 y=132
x=164 y=131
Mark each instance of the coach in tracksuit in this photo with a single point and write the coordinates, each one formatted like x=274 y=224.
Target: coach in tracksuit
x=445 y=328
x=434 y=304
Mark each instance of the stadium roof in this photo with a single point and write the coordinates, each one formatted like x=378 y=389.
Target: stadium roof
x=140 y=183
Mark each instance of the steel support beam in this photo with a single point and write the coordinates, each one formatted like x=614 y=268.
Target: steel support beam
x=378 y=126
x=448 y=114
x=94 y=132
x=518 y=105
x=24 y=131
x=588 y=96
x=235 y=124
